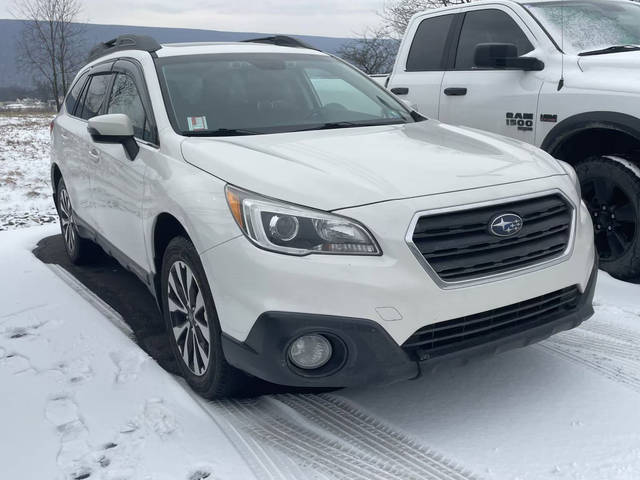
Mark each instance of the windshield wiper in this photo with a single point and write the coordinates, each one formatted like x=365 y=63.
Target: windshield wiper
x=221 y=132
x=345 y=124
x=611 y=49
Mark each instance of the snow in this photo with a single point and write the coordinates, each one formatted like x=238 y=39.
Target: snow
x=79 y=399
x=25 y=185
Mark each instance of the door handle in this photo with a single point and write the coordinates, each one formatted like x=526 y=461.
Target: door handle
x=94 y=154
x=64 y=135
x=455 y=91
x=400 y=90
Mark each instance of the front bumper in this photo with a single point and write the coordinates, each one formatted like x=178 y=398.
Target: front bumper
x=371 y=354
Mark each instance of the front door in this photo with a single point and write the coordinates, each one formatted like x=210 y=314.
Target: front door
x=503 y=101
x=118 y=181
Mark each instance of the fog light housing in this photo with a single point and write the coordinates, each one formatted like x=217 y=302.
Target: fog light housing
x=310 y=351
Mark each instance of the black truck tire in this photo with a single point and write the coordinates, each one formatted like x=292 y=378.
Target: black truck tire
x=611 y=190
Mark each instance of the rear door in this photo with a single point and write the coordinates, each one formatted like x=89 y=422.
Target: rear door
x=503 y=101
x=70 y=157
x=418 y=75
x=80 y=156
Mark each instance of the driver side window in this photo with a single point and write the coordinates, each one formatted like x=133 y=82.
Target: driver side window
x=125 y=98
x=488 y=26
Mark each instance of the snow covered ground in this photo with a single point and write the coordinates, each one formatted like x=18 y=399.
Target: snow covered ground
x=79 y=399
x=25 y=190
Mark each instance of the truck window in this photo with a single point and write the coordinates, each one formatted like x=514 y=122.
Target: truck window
x=488 y=26
x=427 y=49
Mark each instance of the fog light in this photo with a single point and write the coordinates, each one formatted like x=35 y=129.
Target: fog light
x=310 y=351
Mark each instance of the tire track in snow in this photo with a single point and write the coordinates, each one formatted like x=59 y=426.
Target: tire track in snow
x=260 y=462
x=369 y=434
x=622 y=334
x=616 y=360
x=333 y=438
x=597 y=344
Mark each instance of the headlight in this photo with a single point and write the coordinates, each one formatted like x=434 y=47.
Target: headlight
x=286 y=228
x=569 y=170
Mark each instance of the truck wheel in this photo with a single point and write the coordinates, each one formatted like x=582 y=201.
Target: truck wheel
x=611 y=191
x=192 y=323
x=80 y=250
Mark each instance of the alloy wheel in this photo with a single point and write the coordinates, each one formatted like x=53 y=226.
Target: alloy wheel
x=613 y=214
x=67 y=220
x=189 y=319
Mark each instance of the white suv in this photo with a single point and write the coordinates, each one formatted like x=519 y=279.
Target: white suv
x=298 y=223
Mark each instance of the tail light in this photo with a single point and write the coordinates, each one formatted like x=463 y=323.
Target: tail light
x=51 y=124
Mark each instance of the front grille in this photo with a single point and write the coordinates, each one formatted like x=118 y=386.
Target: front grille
x=453 y=335
x=459 y=246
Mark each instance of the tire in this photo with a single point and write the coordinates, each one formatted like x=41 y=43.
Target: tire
x=192 y=324
x=611 y=190
x=81 y=251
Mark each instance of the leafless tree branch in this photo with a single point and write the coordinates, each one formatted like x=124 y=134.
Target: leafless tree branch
x=396 y=14
x=49 y=42
x=373 y=52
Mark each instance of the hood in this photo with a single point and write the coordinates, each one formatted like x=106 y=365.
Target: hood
x=333 y=169
x=617 y=71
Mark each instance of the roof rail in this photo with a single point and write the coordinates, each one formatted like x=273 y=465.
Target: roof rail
x=124 y=42
x=282 y=41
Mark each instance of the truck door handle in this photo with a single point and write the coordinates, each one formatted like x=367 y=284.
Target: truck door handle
x=455 y=91
x=94 y=154
x=400 y=90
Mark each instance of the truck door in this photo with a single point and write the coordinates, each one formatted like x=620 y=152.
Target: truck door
x=421 y=63
x=503 y=100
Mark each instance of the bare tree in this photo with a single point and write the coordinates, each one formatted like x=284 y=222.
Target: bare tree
x=396 y=13
x=374 y=52
x=49 y=42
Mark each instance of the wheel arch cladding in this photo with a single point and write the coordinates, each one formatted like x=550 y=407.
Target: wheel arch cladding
x=166 y=228
x=593 y=133
x=56 y=175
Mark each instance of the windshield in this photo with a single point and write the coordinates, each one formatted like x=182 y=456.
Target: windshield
x=590 y=25
x=245 y=94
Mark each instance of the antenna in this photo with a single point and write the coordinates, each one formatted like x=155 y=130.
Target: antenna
x=561 y=82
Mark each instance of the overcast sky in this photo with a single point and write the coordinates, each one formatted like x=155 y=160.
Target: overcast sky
x=313 y=17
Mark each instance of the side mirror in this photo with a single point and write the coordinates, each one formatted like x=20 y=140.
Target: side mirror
x=504 y=55
x=114 y=128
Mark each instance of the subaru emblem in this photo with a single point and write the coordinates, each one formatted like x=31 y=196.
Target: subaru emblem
x=505 y=225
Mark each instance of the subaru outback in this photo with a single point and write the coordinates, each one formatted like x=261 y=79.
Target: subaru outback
x=298 y=223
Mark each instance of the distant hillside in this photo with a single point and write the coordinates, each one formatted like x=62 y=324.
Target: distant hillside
x=10 y=29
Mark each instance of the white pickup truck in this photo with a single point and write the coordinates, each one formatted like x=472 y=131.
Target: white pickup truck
x=561 y=75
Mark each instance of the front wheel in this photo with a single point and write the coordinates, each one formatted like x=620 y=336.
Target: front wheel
x=611 y=190
x=192 y=323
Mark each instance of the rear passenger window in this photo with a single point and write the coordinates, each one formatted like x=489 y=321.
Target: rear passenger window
x=488 y=26
x=94 y=96
x=74 y=93
x=125 y=98
x=428 y=47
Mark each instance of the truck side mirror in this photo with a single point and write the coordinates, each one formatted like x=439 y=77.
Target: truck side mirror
x=504 y=56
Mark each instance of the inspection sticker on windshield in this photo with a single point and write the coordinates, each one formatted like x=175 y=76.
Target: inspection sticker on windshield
x=197 y=123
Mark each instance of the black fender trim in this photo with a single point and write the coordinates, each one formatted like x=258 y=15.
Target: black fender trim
x=584 y=121
x=369 y=354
